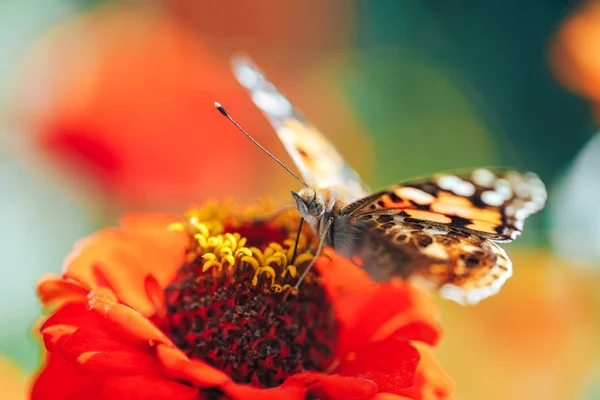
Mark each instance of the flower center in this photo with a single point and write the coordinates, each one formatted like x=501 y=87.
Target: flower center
x=232 y=305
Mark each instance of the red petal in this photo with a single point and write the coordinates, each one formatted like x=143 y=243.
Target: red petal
x=71 y=341
x=322 y=386
x=156 y=295
x=395 y=309
x=121 y=259
x=90 y=346
x=60 y=380
x=144 y=387
x=75 y=314
x=431 y=381
x=340 y=275
x=390 y=364
x=126 y=362
x=130 y=324
x=56 y=291
x=389 y=396
x=94 y=343
x=246 y=392
x=178 y=366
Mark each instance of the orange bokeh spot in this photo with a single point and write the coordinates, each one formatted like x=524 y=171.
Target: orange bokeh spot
x=575 y=51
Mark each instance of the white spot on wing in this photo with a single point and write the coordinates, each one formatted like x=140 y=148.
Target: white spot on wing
x=483 y=177
x=503 y=187
x=465 y=189
x=531 y=207
x=448 y=182
x=471 y=249
x=521 y=214
x=519 y=224
x=436 y=251
x=522 y=189
x=492 y=198
x=432 y=231
x=416 y=195
x=456 y=185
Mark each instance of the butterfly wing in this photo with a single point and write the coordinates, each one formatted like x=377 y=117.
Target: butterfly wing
x=319 y=162
x=441 y=230
x=493 y=205
x=461 y=267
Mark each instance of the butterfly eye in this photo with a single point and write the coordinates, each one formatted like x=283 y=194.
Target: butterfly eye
x=315 y=208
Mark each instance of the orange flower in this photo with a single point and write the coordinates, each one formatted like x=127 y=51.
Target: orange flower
x=205 y=310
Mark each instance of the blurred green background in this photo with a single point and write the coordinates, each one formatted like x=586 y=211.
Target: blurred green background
x=106 y=107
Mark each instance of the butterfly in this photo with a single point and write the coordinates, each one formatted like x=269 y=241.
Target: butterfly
x=440 y=231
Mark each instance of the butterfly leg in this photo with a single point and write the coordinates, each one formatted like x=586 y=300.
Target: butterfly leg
x=317 y=254
x=297 y=240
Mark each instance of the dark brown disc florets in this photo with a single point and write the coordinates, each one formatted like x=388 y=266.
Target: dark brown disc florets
x=232 y=306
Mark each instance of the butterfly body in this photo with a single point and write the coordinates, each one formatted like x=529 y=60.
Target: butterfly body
x=439 y=230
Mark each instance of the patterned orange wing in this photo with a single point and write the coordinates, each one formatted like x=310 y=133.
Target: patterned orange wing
x=483 y=203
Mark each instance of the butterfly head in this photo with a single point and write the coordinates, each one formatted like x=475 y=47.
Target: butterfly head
x=313 y=204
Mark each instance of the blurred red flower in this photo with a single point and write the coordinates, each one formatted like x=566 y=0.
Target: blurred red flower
x=205 y=311
x=125 y=95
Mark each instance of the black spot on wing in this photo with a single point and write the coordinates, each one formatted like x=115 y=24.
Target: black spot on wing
x=385 y=218
x=388 y=225
x=424 y=240
x=416 y=226
x=459 y=221
x=471 y=261
x=394 y=197
x=417 y=206
x=476 y=199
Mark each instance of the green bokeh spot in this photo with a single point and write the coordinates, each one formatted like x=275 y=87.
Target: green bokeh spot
x=420 y=119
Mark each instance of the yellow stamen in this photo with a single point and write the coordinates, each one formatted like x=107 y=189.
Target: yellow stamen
x=252 y=261
x=268 y=270
x=224 y=251
x=200 y=227
x=278 y=258
x=291 y=269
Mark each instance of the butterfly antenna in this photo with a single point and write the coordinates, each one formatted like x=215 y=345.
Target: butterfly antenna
x=222 y=111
